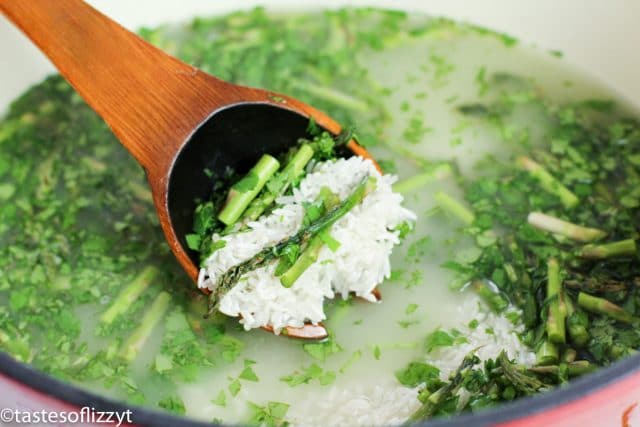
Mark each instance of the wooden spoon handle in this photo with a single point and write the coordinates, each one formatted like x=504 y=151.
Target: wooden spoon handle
x=151 y=101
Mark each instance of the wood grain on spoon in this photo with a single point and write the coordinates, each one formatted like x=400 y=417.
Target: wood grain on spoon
x=151 y=101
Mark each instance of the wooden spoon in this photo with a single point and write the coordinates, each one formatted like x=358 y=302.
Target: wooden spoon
x=173 y=118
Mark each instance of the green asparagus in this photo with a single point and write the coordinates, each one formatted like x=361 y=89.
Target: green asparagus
x=245 y=190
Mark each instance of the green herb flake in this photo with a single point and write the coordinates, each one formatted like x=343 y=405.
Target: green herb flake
x=377 y=352
x=313 y=372
x=417 y=373
x=173 y=404
x=406 y=323
x=234 y=387
x=438 y=338
x=419 y=249
x=416 y=130
x=248 y=374
x=221 y=399
x=322 y=350
x=388 y=166
x=410 y=308
x=7 y=191
x=193 y=241
x=162 y=363
x=270 y=415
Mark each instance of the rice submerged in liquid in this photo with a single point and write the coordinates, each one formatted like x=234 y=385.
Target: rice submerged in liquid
x=361 y=262
x=385 y=402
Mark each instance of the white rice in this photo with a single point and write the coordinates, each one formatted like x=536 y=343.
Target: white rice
x=387 y=402
x=493 y=334
x=361 y=262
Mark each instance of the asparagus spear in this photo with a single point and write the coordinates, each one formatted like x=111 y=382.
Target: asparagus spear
x=548 y=182
x=619 y=350
x=596 y=285
x=435 y=173
x=330 y=95
x=608 y=250
x=410 y=155
x=603 y=306
x=262 y=258
x=490 y=295
x=308 y=257
x=557 y=309
x=577 y=324
x=547 y=353
x=129 y=294
x=569 y=355
x=455 y=208
x=312 y=251
x=574 y=369
x=245 y=190
x=522 y=295
x=136 y=341
x=279 y=183
x=564 y=228
x=432 y=403
x=580 y=367
x=527 y=303
x=525 y=383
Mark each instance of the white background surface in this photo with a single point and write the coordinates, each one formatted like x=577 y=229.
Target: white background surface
x=602 y=36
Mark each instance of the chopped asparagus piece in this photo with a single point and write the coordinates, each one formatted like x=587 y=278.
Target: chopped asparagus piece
x=455 y=208
x=569 y=355
x=417 y=181
x=490 y=295
x=308 y=257
x=577 y=323
x=312 y=251
x=129 y=294
x=430 y=406
x=547 y=353
x=138 y=338
x=606 y=307
x=557 y=310
x=548 y=182
x=245 y=190
x=557 y=226
x=608 y=250
x=516 y=375
x=279 y=183
x=574 y=368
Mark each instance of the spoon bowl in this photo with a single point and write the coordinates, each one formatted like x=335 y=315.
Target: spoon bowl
x=233 y=137
x=174 y=119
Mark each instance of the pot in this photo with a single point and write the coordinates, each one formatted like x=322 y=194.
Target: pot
x=606 y=50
